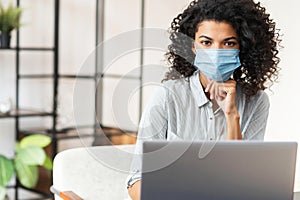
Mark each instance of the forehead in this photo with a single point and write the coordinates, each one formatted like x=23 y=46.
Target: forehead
x=215 y=29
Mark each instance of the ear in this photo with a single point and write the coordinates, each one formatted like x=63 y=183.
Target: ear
x=194 y=47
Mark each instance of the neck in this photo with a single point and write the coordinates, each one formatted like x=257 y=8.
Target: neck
x=203 y=80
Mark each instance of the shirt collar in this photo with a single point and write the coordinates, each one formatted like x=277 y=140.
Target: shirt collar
x=197 y=90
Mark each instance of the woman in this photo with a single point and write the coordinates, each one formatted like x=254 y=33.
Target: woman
x=218 y=71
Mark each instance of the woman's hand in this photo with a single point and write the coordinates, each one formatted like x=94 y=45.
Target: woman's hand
x=224 y=94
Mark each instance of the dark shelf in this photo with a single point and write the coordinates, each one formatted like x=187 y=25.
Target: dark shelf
x=36 y=76
x=84 y=132
x=64 y=133
x=24 y=113
x=71 y=76
x=65 y=76
x=29 y=48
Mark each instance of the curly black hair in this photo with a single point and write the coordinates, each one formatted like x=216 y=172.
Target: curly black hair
x=257 y=35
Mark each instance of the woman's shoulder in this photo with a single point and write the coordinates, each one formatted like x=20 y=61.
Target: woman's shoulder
x=177 y=84
x=170 y=89
x=167 y=91
x=260 y=97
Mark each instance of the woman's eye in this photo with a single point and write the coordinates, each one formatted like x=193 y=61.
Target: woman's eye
x=230 y=44
x=206 y=43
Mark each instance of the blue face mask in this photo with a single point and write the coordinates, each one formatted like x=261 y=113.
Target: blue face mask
x=217 y=64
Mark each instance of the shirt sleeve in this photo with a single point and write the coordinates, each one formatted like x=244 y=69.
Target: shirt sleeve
x=256 y=123
x=153 y=126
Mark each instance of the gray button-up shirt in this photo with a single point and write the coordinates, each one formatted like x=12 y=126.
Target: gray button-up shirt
x=180 y=110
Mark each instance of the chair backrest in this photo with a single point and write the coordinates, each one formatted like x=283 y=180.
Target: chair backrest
x=94 y=172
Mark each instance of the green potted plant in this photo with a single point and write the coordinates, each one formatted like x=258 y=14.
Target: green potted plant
x=9 y=20
x=29 y=154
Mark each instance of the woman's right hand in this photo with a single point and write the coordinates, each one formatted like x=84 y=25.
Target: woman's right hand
x=224 y=94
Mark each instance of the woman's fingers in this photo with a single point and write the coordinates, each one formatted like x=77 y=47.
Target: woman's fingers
x=209 y=85
x=219 y=91
x=212 y=88
x=223 y=93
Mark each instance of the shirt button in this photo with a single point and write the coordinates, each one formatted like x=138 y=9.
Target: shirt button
x=210 y=104
x=210 y=138
x=210 y=118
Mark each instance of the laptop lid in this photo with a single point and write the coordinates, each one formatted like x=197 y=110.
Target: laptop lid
x=224 y=170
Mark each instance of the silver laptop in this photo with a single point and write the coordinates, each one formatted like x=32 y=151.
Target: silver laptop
x=226 y=170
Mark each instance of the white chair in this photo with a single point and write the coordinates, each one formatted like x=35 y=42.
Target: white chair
x=94 y=172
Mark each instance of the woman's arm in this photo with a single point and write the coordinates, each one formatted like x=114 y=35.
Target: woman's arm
x=233 y=129
x=225 y=95
x=153 y=126
x=255 y=122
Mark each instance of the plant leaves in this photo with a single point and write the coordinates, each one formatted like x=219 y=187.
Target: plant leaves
x=32 y=155
x=9 y=18
x=35 y=140
x=6 y=170
x=48 y=164
x=17 y=146
x=27 y=174
x=2 y=192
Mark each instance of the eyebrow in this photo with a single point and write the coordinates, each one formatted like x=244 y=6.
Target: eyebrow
x=226 y=39
x=230 y=38
x=203 y=36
